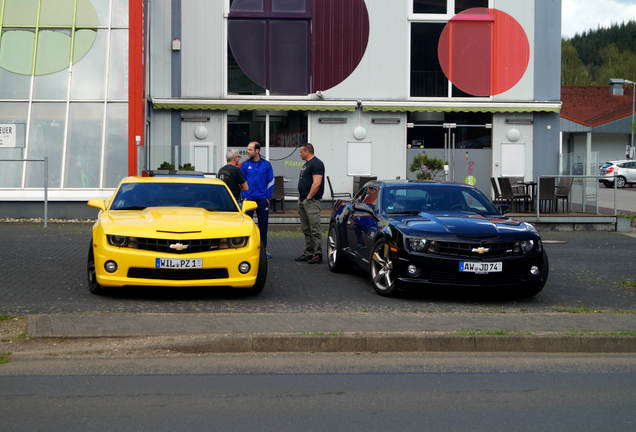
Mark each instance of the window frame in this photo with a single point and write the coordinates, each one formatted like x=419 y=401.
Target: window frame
x=267 y=15
x=414 y=18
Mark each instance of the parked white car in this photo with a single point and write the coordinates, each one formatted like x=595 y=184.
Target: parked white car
x=624 y=171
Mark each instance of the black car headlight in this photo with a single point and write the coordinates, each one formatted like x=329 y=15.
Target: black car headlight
x=121 y=241
x=525 y=246
x=415 y=244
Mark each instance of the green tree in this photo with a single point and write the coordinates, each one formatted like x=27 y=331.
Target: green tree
x=427 y=168
x=573 y=71
x=615 y=64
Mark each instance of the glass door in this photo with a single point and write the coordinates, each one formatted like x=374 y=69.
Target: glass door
x=462 y=140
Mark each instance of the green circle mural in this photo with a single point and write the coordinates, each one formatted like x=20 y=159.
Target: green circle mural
x=55 y=35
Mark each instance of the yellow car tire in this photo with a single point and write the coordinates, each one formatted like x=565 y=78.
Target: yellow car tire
x=93 y=286
x=261 y=276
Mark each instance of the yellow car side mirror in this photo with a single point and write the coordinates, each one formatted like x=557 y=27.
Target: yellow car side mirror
x=248 y=206
x=97 y=203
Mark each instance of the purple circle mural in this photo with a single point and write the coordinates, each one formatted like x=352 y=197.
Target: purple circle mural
x=298 y=46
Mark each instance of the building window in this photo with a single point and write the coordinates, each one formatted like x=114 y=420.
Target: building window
x=432 y=49
x=427 y=77
x=445 y=7
x=72 y=105
x=430 y=6
x=294 y=47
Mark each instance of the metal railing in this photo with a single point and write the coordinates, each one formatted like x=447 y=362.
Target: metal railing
x=578 y=182
x=45 y=181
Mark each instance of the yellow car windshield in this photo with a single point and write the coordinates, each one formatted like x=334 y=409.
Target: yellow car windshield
x=138 y=196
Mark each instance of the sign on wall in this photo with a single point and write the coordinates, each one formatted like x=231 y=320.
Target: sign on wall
x=359 y=159
x=7 y=135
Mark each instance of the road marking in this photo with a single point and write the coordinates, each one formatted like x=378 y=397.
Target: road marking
x=554 y=242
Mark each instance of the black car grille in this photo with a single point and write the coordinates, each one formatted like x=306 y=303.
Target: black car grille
x=172 y=274
x=163 y=246
x=495 y=250
x=449 y=278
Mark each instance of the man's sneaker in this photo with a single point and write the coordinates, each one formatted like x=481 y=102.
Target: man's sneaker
x=316 y=259
x=268 y=255
x=302 y=258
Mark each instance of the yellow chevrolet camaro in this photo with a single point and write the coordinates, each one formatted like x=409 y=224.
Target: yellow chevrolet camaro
x=175 y=231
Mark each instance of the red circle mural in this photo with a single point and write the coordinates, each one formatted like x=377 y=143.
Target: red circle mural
x=483 y=52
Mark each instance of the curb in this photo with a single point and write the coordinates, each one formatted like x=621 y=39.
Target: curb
x=406 y=343
x=364 y=342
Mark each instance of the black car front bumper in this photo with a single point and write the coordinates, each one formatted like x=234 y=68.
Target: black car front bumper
x=445 y=270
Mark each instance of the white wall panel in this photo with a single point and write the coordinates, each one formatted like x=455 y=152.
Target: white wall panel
x=160 y=53
x=215 y=136
x=523 y=12
x=388 y=146
x=160 y=138
x=202 y=49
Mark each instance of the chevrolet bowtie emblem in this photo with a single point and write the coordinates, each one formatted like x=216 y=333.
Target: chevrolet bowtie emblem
x=479 y=250
x=179 y=246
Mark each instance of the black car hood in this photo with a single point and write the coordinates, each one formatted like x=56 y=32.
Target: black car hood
x=459 y=224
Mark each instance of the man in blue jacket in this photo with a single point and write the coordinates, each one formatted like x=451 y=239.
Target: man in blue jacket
x=259 y=175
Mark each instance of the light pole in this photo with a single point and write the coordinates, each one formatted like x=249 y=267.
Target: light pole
x=621 y=82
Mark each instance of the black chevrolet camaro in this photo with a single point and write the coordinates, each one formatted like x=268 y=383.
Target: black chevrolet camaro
x=445 y=234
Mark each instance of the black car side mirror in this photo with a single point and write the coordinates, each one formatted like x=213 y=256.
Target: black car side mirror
x=503 y=208
x=363 y=207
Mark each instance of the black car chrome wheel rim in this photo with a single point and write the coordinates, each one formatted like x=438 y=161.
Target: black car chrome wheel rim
x=332 y=251
x=382 y=268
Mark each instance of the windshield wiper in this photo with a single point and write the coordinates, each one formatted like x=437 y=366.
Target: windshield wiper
x=409 y=212
x=131 y=208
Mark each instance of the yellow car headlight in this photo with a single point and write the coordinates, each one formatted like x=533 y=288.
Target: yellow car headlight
x=122 y=241
x=231 y=243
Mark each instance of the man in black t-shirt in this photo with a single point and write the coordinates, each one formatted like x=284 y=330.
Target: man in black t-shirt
x=232 y=175
x=311 y=186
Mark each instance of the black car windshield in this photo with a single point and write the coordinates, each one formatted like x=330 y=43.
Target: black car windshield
x=435 y=198
x=138 y=196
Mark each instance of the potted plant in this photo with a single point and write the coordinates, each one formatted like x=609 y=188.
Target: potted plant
x=426 y=167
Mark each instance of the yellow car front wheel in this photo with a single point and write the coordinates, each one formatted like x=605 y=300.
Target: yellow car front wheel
x=93 y=286
x=261 y=276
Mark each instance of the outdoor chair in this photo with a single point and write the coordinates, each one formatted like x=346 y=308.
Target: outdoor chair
x=336 y=195
x=547 y=193
x=563 y=192
x=511 y=196
x=517 y=185
x=498 y=199
x=278 y=194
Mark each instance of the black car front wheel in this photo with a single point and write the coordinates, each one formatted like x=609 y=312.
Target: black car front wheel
x=335 y=258
x=383 y=275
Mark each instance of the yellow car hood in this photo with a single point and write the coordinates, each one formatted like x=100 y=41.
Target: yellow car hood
x=162 y=222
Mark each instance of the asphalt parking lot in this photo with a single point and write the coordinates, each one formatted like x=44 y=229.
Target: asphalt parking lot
x=44 y=272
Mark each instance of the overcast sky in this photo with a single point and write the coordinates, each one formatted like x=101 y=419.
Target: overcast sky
x=582 y=15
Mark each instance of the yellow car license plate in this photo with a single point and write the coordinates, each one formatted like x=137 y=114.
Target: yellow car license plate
x=177 y=263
